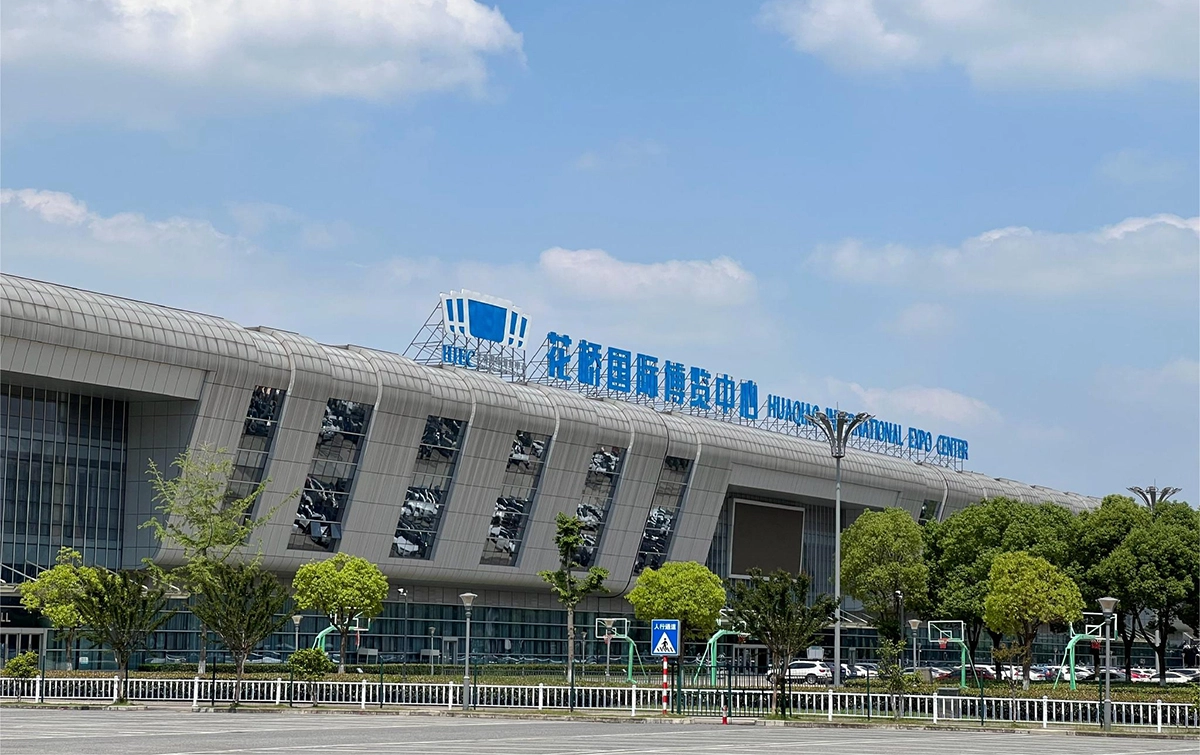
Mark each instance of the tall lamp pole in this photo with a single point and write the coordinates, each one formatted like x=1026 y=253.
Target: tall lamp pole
x=1153 y=496
x=914 y=624
x=467 y=598
x=837 y=431
x=296 y=619
x=403 y=626
x=1107 y=605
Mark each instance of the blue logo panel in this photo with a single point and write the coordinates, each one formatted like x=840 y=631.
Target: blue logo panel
x=484 y=317
x=664 y=637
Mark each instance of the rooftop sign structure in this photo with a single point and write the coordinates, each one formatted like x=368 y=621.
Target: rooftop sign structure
x=487 y=334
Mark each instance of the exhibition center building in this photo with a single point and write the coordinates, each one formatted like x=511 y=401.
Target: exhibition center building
x=445 y=466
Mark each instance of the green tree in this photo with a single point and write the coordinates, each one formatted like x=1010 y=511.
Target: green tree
x=202 y=517
x=683 y=590
x=774 y=611
x=960 y=551
x=882 y=555
x=1164 y=557
x=22 y=666
x=1024 y=593
x=891 y=673
x=1104 y=568
x=242 y=605
x=309 y=665
x=121 y=609
x=55 y=593
x=568 y=588
x=344 y=588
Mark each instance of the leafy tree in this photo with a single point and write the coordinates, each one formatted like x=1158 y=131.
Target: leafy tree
x=568 y=588
x=242 y=605
x=960 y=552
x=309 y=664
x=344 y=588
x=1010 y=654
x=1164 y=559
x=774 y=611
x=22 y=665
x=891 y=673
x=54 y=594
x=121 y=609
x=1024 y=593
x=1104 y=568
x=882 y=555
x=684 y=590
x=201 y=517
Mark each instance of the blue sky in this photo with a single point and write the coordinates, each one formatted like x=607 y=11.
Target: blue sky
x=975 y=217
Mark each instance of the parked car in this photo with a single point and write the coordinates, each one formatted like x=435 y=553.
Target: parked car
x=867 y=669
x=1113 y=675
x=809 y=672
x=1173 y=677
x=1082 y=673
x=1193 y=674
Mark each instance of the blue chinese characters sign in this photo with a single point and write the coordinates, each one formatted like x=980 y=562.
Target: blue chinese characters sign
x=664 y=637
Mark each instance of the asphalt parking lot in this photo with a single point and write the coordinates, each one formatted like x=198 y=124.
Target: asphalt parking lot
x=171 y=732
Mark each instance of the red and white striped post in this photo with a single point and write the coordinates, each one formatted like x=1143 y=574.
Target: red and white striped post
x=664 y=692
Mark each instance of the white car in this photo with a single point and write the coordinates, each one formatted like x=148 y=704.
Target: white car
x=809 y=672
x=1173 y=677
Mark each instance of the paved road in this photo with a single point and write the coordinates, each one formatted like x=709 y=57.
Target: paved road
x=169 y=732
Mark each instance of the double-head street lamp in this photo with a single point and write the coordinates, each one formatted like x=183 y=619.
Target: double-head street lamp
x=1107 y=605
x=837 y=431
x=467 y=599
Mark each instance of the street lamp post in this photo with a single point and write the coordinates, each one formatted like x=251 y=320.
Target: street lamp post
x=837 y=431
x=296 y=619
x=403 y=627
x=1152 y=496
x=431 y=631
x=467 y=598
x=914 y=624
x=1107 y=605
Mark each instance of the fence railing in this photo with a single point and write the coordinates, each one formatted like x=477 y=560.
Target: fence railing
x=632 y=699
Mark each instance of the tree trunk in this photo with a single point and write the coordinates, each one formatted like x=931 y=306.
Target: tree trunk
x=342 y=654
x=1126 y=640
x=974 y=633
x=1026 y=661
x=203 y=662
x=570 y=645
x=237 y=682
x=123 y=665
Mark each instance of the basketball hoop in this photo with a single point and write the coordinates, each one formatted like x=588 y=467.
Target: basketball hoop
x=942 y=642
x=1095 y=644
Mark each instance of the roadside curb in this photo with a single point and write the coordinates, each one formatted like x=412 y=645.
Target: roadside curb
x=693 y=720
x=30 y=705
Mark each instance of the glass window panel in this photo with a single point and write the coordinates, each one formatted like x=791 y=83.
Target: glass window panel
x=326 y=493
x=59 y=494
x=599 y=487
x=664 y=508
x=424 y=501
x=506 y=530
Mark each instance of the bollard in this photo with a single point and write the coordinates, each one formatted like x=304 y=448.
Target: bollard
x=195 y=694
x=935 y=708
x=664 y=689
x=362 y=696
x=830 y=714
x=37 y=689
x=1158 y=707
x=450 y=696
x=633 y=701
x=116 y=687
x=279 y=690
x=541 y=695
x=1045 y=711
x=724 y=712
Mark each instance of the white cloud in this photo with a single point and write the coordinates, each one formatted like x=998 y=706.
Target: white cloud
x=915 y=403
x=922 y=320
x=625 y=154
x=1172 y=388
x=1162 y=248
x=163 y=57
x=1137 y=166
x=58 y=228
x=260 y=274
x=594 y=274
x=1000 y=43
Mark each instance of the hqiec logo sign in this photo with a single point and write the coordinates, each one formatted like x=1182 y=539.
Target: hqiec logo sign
x=484 y=317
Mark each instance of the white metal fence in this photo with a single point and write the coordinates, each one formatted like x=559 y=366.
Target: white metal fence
x=631 y=700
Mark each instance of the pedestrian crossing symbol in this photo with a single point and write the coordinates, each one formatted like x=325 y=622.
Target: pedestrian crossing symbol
x=664 y=637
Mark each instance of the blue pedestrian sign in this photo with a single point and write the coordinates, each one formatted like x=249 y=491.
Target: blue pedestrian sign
x=664 y=637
